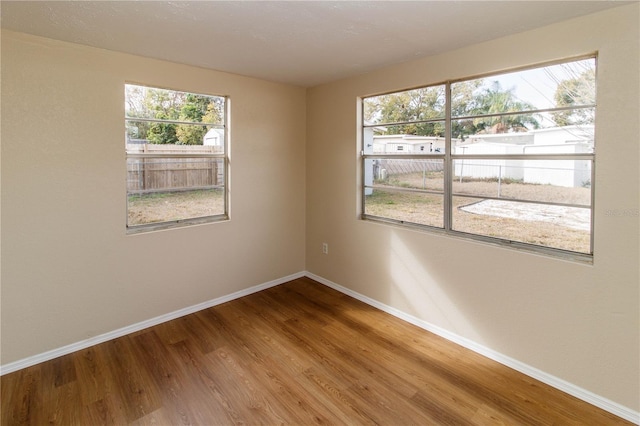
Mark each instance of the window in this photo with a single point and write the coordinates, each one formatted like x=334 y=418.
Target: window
x=176 y=147
x=511 y=158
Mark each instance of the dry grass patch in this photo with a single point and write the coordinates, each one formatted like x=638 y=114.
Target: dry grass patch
x=427 y=209
x=507 y=189
x=172 y=206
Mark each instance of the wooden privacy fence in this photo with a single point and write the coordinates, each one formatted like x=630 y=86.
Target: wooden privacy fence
x=166 y=173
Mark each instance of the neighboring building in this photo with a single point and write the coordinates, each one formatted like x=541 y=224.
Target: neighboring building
x=575 y=139
x=407 y=144
x=214 y=137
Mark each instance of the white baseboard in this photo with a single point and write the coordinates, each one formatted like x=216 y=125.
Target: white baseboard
x=580 y=393
x=55 y=353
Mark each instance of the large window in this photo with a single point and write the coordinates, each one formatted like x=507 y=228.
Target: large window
x=506 y=158
x=177 y=165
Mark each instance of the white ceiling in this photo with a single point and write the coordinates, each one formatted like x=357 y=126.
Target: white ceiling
x=303 y=43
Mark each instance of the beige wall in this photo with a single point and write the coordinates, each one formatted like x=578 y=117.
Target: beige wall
x=574 y=321
x=69 y=272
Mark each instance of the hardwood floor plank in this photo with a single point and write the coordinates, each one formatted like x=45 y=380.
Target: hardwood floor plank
x=372 y=382
x=351 y=409
x=439 y=413
x=21 y=397
x=391 y=369
x=131 y=381
x=167 y=378
x=90 y=372
x=57 y=398
x=293 y=362
x=201 y=333
x=207 y=392
x=299 y=353
x=173 y=331
x=103 y=412
x=63 y=371
x=301 y=404
x=281 y=370
x=269 y=330
x=242 y=387
x=158 y=417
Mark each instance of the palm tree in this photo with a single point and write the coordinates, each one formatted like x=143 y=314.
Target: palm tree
x=495 y=100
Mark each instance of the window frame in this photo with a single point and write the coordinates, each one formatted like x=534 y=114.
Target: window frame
x=224 y=156
x=448 y=159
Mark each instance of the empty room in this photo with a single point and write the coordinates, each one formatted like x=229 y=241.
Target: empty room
x=336 y=212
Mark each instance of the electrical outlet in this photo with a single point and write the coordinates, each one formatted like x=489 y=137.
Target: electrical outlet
x=325 y=248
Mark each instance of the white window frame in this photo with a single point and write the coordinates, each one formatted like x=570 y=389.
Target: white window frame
x=448 y=160
x=224 y=156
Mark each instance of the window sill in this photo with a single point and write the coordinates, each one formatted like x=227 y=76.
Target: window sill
x=161 y=226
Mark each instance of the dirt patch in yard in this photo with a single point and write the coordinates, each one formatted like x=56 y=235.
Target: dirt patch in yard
x=570 y=217
x=550 y=226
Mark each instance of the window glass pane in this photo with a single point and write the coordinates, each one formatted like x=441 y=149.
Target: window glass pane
x=550 y=181
x=413 y=133
x=403 y=139
x=410 y=207
x=173 y=174
x=170 y=189
x=161 y=104
x=545 y=138
x=163 y=135
x=566 y=228
x=426 y=103
x=170 y=206
x=569 y=84
x=406 y=173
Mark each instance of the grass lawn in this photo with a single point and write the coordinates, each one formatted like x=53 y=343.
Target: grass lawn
x=171 y=206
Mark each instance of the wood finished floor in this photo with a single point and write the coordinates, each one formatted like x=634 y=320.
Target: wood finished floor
x=299 y=353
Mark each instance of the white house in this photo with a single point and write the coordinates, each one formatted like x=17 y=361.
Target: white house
x=213 y=137
x=407 y=144
x=557 y=140
x=575 y=139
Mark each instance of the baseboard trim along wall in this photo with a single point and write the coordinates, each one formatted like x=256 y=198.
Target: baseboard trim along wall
x=571 y=389
x=583 y=394
x=55 y=353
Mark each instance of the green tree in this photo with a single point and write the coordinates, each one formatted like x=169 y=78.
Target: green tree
x=151 y=103
x=198 y=109
x=193 y=110
x=468 y=98
x=413 y=105
x=213 y=115
x=163 y=105
x=190 y=134
x=463 y=101
x=580 y=90
x=162 y=133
